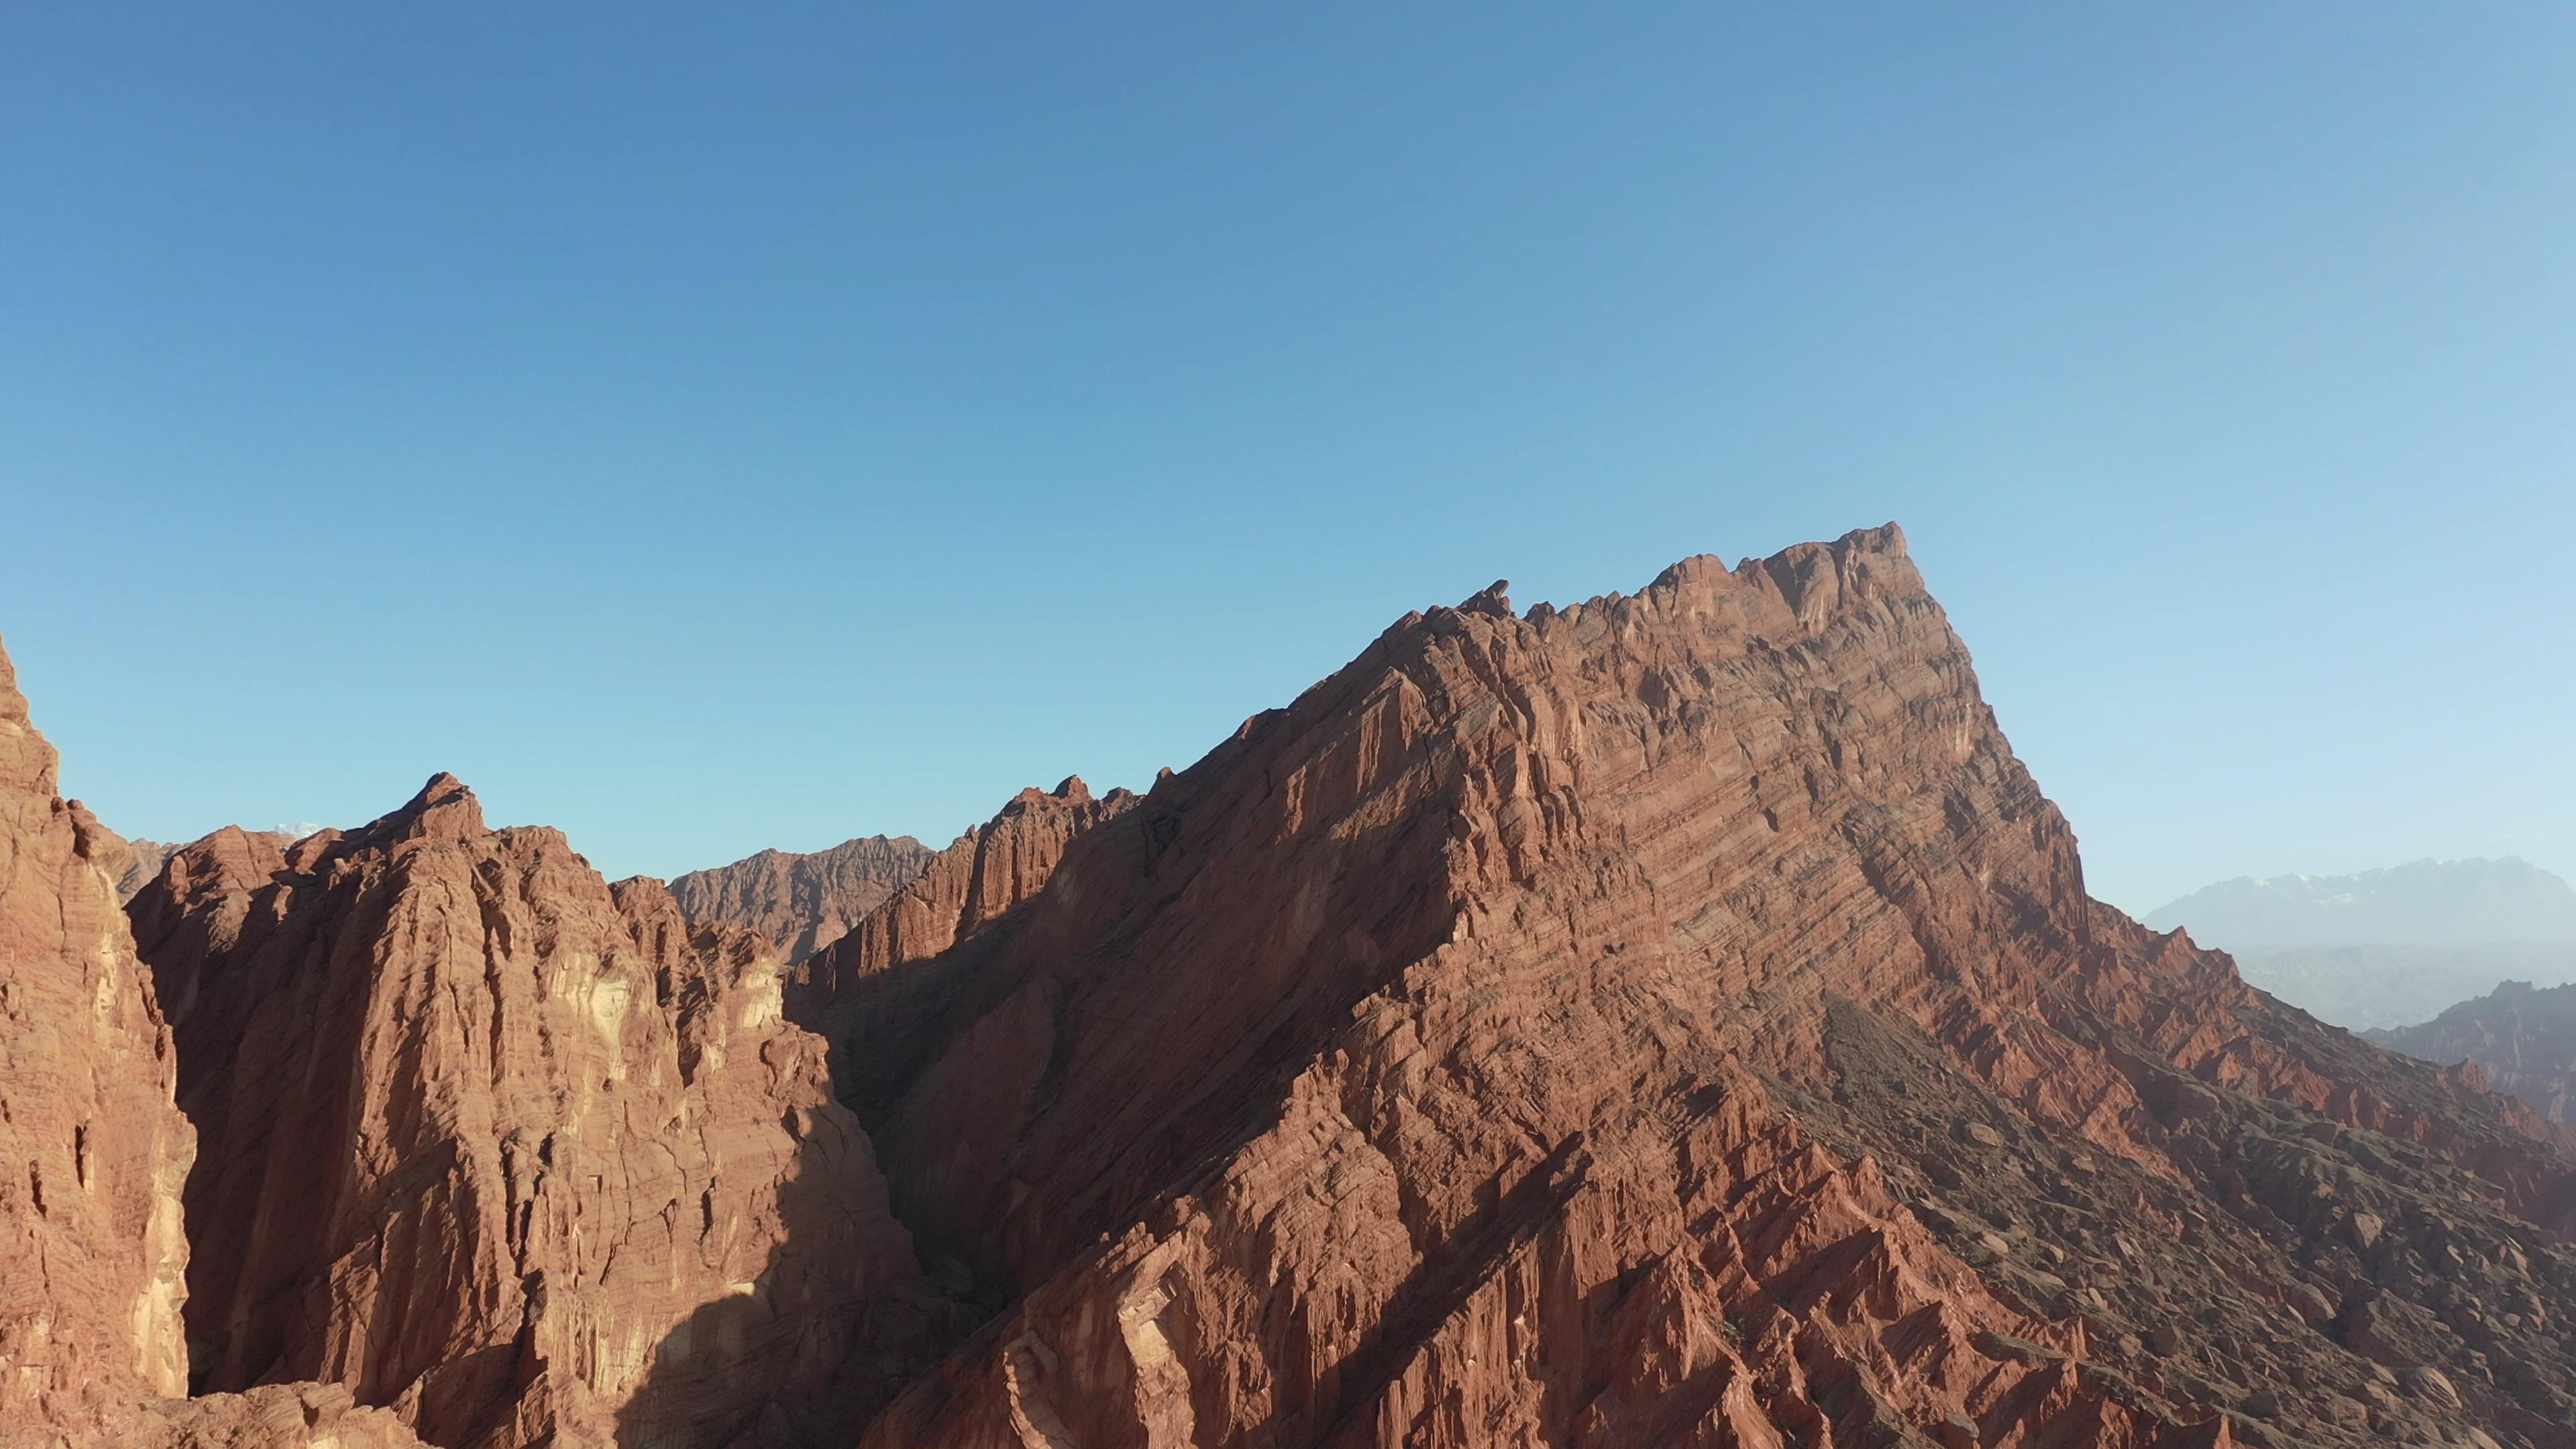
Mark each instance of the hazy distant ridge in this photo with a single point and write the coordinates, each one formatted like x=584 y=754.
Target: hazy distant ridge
x=2385 y=948
x=2425 y=902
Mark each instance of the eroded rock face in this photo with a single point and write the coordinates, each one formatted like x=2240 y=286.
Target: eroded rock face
x=510 y=1151
x=1670 y=1020
x=1675 y=1019
x=92 y=1153
x=802 y=903
x=901 y=978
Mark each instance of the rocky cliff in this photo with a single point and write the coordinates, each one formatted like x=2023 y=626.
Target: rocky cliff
x=802 y=903
x=511 y=1151
x=2522 y=1039
x=92 y=1153
x=1672 y=1019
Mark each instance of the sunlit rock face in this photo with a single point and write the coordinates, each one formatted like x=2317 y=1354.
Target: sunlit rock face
x=510 y=1150
x=1675 y=1019
x=92 y=1153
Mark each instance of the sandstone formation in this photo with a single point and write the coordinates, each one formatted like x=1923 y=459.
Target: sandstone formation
x=92 y=1153
x=802 y=903
x=1670 y=1020
x=137 y=863
x=272 y=1416
x=512 y=1152
x=2523 y=1040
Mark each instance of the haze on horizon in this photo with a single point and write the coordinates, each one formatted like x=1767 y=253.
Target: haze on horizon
x=709 y=432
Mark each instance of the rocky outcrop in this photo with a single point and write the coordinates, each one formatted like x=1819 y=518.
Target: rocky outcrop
x=137 y=863
x=1672 y=1019
x=512 y=1152
x=802 y=903
x=2522 y=1039
x=272 y=1416
x=92 y=1153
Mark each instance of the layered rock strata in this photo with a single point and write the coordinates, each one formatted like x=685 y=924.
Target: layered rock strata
x=513 y=1152
x=802 y=903
x=1672 y=1019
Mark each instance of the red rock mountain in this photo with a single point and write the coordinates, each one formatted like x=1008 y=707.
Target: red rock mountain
x=511 y=1150
x=802 y=903
x=2521 y=1038
x=93 y=1154
x=1672 y=1020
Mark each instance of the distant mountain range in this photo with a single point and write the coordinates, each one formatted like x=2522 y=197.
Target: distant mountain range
x=2425 y=902
x=2384 y=948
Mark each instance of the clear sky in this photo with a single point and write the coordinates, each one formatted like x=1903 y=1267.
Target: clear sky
x=721 y=427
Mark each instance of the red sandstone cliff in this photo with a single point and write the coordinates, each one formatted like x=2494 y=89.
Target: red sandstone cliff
x=511 y=1150
x=1675 y=1019
x=92 y=1154
x=802 y=903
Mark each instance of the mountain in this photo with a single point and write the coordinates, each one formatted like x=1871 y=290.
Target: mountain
x=2446 y=902
x=802 y=903
x=92 y=1248
x=1669 y=1020
x=2522 y=1038
x=512 y=1150
x=2372 y=988
x=2386 y=947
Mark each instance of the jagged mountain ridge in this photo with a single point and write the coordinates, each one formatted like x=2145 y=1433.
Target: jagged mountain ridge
x=1671 y=1019
x=92 y=1249
x=802 y=903
x=513 y=1151
x=1434 y=1063
x=2521 y=1037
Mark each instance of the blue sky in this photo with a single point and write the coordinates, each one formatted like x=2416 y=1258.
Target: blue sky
x=706 y=431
